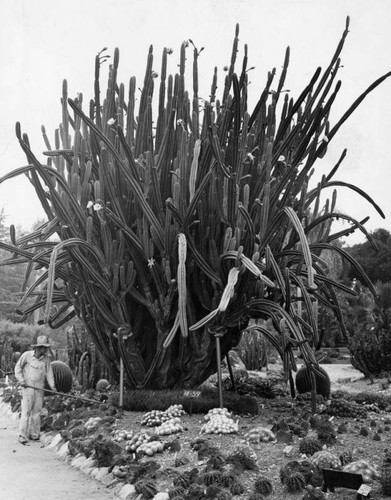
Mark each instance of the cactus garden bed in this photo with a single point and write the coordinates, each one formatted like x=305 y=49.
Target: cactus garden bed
x=273 y=454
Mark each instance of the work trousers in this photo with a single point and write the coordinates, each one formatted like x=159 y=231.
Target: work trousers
x=31 y=408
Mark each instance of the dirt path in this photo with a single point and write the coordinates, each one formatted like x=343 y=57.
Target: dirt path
x=33 y=473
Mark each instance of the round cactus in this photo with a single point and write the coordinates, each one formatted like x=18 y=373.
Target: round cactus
x=303 y=382
x=263 y=486
x=145 y=488
x=309 y=446
x=63 y=378
x=227 y=478
x=212 y=477
x=182 y=480
x=304 y=467
x=176 y=491
x=368 y=472
x=102 y=385
x=326 y=431
x=237 y=488
x=326 y=460
x=295 y=482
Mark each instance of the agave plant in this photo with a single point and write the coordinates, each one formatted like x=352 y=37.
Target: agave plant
x=161 y=238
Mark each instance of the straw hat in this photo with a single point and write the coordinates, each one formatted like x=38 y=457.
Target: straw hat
x=42 y=341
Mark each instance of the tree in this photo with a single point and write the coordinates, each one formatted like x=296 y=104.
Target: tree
x=374 y=258
x=172 y=238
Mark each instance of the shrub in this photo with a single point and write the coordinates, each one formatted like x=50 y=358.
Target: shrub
x=370 y=346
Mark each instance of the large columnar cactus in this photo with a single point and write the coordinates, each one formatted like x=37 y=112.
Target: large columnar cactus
x=174 y=230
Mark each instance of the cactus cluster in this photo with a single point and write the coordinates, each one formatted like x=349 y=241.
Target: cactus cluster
x=173 y=228
x=155 y=418
x=382 y=401
x=345 y=408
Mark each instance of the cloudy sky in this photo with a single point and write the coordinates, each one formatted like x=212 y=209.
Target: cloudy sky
x=44 y=41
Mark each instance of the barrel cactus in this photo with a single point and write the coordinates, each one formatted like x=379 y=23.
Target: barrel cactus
x=263 y=486
x=295 y=482
x=63 y=378
x=303 y=382
x=102 y=385
x=145 y=488
x=304 y=467
x=309 y=446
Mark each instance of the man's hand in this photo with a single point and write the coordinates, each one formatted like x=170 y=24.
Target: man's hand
x=23 y=384
x=53 y=389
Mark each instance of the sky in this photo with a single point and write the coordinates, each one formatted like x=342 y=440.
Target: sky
x=44 y=41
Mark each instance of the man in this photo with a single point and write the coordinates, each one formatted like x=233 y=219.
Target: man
x=31 y=371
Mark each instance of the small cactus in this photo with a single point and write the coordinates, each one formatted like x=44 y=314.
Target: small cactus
x=326 y=460
x=326 y=431
x=263 y=486
x=313 y=493
x=180 y=461
x=309 y=446
x=145 y=488
x=237 y=488
x=295 y=482
x=176 y=491
x=227 y=479
x=212 y=477
x=346 y=457
x=102 y=385
x=304 y=467
x=183 y=480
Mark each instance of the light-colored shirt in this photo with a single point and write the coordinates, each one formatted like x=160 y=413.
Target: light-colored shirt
x=33 y=371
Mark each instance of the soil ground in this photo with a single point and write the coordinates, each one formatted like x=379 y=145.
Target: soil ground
x=33 y=473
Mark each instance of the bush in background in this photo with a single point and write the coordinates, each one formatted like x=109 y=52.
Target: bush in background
x=369 y=331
